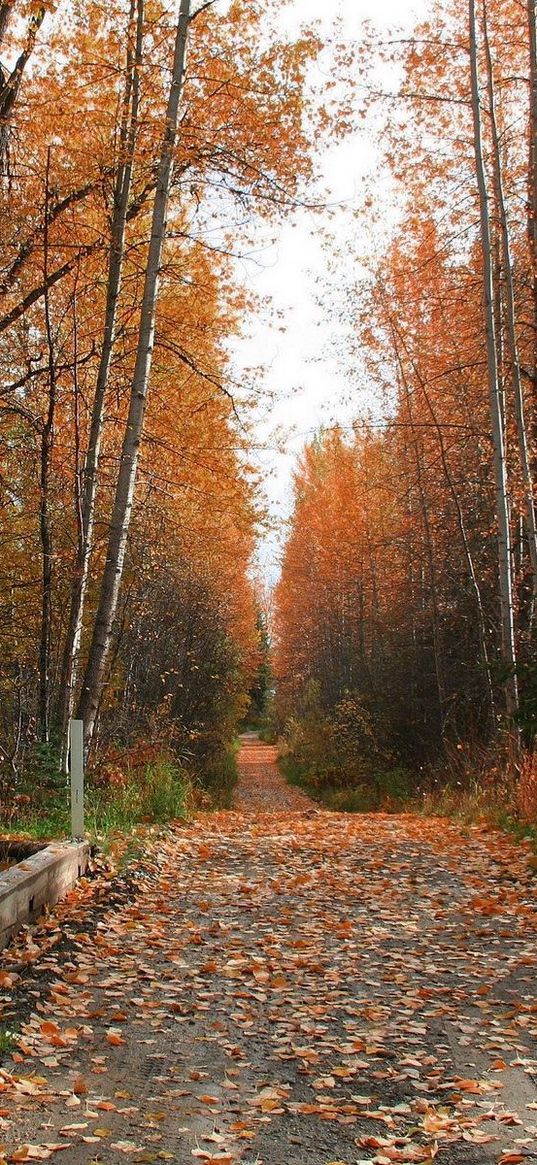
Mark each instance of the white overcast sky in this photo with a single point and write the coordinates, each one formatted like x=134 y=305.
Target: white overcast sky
x=294 y=338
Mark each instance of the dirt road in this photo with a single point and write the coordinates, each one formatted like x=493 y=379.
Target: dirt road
x=291 y=986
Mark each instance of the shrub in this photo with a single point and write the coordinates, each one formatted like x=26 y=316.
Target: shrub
x=527 y=787
x=340 y=750
x=217 y=777
x=157 y=791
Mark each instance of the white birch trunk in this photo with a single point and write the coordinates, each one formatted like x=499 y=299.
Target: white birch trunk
x=122 y=510
x=508 y=650
x=511 y=322
x=122 y=191
x=532 y=179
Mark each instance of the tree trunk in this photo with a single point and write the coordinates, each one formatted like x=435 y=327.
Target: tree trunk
x=508 y=650
x=429 y=548
x=122 y=509
x=511 y=322
x=472 y=574
x=122 y=189
x=532 y=181
x=10 y=85
x=47 y=438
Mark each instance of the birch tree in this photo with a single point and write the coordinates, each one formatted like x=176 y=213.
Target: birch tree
x=10 y=82
x=89 y=477
x=101 y=641
x=532 y=182
x=508 y=649
x=511 y=317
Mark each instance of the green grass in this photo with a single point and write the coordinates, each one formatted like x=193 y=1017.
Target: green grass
x=267 y=734
x=159 y=793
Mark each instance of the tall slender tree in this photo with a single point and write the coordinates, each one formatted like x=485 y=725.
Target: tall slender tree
x=494 y=386
x=122 y=509
x=89 y=476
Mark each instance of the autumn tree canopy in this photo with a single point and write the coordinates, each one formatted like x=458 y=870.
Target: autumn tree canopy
x=409 y=575
x=125 y=584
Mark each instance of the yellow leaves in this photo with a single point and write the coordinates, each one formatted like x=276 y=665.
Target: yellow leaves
x=49 y=1028
x=243 y=1130
x=234 y=969
x=269 y=1099
x=24 y=1085
x=435 y=1122
x=210 y=967
x=464 y=1085
x=258 y=1038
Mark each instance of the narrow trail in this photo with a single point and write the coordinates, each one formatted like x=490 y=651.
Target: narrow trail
x=289 y=986
x=261 y=787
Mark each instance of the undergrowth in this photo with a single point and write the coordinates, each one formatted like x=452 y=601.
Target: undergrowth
x=216 y=779
x=478 y=803
x=157 y=794
x=128 y=788
x=387 y=790
x=7 y=1041
x=470 y=784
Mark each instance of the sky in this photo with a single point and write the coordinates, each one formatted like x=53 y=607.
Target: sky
x=295 y=339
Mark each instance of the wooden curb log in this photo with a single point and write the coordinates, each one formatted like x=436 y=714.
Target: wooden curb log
x=38 y=881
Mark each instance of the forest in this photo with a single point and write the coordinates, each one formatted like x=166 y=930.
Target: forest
x=405 y=611
x=268 y=582
x=141 y=151
x=128 y=503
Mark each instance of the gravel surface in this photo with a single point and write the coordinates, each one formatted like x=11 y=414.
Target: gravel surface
x=287 y=985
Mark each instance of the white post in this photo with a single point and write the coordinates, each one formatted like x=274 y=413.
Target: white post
x=76 y=769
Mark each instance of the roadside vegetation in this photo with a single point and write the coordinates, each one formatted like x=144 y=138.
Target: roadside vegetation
x=131 y=787
x=336 y=759
x=129 y=511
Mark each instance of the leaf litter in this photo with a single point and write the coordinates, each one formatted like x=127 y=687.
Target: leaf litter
x=278 y=985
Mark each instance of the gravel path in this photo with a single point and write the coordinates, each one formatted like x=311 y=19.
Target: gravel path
x=290 y=986
x=261 y=787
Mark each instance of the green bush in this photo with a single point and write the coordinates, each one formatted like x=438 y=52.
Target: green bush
x=165 y=792
x=267 y=732
x=338 y=758
x=217 y=777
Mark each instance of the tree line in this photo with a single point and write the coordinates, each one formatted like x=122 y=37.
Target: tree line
x=134 y=144
x=409 y=575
